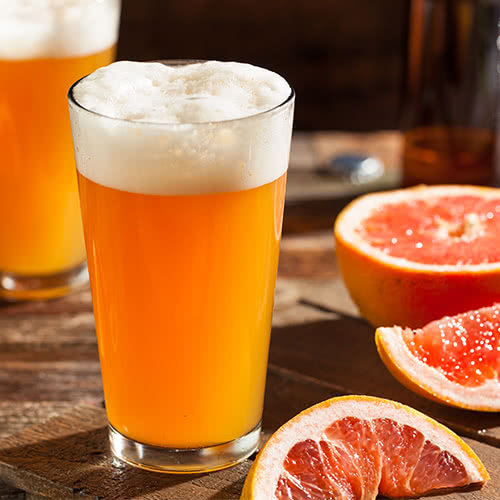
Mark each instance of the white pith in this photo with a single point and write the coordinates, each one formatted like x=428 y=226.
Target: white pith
x=363 y=207
x=312 y=423
x=433 y=380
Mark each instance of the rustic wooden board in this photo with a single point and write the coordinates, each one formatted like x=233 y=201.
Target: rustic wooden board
x=9 y=493
x=15 y=416
x=320 y=347
x=312 y=347
x=341 y=351
x=69 y=456
x=339 y=348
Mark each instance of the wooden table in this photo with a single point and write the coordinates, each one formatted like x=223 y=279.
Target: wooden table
x=320 y=348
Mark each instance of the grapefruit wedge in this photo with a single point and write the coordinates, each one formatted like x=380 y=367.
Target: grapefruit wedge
x=454 y=360
x=414 y=255
x=355 y=447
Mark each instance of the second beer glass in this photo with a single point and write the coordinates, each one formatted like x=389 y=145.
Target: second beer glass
x=182 y=208
x=45 y=45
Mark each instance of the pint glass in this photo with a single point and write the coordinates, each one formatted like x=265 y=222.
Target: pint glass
x=45 y=45
x=182 y=226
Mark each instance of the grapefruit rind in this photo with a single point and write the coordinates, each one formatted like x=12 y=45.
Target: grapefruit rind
x=390 y=290
x=428 y=381
x=311 y=424
x=349 y=220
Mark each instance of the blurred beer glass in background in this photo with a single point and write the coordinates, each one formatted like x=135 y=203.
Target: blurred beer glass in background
x=182 y=224
x=45 y=45
x=450 y=95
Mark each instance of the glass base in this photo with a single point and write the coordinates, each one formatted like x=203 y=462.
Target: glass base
x=14 y=287
x=182 y=461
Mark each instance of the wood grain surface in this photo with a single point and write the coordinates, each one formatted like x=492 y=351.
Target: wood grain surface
x=68 y=456
x=320 y=348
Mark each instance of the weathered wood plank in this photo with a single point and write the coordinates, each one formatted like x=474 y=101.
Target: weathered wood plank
x=50 y=381
x=34 y=333
x=48 y=352
x=341 y=351
x=305 y=216
x=68 y=456
x=79 y=301
x=353 y=365
x=67 y=370
x=9 y=493
x=308 y=256
x=15 y=416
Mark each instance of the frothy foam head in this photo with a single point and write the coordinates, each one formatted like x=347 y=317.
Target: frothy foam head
x=194 y=93
x=34 y=29
x=182 y=129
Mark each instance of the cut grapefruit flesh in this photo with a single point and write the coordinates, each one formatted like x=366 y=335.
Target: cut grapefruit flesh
x=454 y=360
x=356 y=447
x=446 y=230
x=414 y=255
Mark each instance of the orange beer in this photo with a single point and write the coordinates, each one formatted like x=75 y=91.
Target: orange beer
x=182 y=184
x=183 y=293
x=40 y=229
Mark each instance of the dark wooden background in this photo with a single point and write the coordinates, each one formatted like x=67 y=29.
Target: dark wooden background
x=343 y=57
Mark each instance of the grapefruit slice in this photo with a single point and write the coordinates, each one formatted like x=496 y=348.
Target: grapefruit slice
x=414 y=255
x=356 y=447
x=454 y=360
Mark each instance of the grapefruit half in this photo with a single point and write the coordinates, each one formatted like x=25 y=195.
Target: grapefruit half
x=414 y=255
x=454 y=360
x=355 y=447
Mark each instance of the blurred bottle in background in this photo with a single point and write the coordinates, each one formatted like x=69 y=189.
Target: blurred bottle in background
x=450 y=92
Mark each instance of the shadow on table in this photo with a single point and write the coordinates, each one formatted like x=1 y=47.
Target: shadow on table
x=309 y=362
x=339 y=356
x=81 y=464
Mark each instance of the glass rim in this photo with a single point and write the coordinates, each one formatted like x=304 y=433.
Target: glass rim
x=178 y=62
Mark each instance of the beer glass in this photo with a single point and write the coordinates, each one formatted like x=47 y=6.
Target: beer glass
x=182 y=226
x=45 y=45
